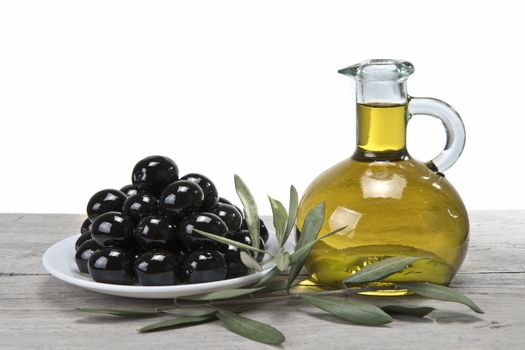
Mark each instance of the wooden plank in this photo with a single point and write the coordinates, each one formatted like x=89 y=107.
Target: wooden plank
x=43 y=307
x=45 y=293
x=25 y=238
x=37 y=311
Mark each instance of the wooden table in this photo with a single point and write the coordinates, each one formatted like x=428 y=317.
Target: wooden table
x=37 y=310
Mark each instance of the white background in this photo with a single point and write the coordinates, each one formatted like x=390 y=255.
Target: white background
x=88 y=88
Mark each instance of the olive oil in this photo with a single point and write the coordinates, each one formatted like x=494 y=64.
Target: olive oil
x=381 y=127
x=392 y=204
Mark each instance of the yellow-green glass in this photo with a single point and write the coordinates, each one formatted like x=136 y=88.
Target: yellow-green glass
x=395 y=207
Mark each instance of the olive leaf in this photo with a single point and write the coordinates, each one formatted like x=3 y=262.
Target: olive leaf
x=229 y=241
x=275 y=285
x=280 y=218
x=381 y=269
x=353 y=311
x=419 y=311
x=222 y=294
x=176 y=323
x=438 y=292
x=120 y=312
x=250 y=262
x=292 y=214
x=282 y=260
x=190 y=311
x=251 y=329
x=311 y=227
x=250 y=210
x=268 y=276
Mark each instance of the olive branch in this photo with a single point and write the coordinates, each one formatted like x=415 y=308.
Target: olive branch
x=277 y=285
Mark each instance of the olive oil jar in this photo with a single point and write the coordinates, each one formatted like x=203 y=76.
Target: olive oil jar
x=391 y=204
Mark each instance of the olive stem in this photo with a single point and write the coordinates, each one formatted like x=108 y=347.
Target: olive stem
x=293 y=296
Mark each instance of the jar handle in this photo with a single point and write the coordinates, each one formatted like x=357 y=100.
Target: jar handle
x=453 y=126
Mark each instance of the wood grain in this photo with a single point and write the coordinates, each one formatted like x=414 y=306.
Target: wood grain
x=37 y=311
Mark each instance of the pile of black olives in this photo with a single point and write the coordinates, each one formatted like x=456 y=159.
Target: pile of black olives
x=143 y=233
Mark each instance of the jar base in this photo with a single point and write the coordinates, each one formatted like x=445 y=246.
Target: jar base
x=384 y=289
x=387 y=292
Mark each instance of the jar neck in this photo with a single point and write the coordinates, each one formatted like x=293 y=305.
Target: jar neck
x=381 y=132
x=382 y=100
x=381 y=91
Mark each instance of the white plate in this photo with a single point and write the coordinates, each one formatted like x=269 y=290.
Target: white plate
x=59 y=261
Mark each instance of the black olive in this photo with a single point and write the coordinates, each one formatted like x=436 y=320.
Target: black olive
x=111 y=265
x=224 y=201
x=157 y=268
x=129 y=190
x=211 y=196
x=239 y=210
x=232 y=256
x=86 y=226
x=84 y=252
x=105 y=201
x=86 y=236
x=229 y=214
x=204 y=266
x=262 y=229
x=180 y=199
x=155 y=232
x=113 y=229
x=152 y=174
x=180 y=253
x=206 y=222
x=135 y=251
x=244 y=237
x=139 y=206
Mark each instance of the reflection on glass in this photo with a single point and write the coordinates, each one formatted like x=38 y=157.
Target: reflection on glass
x=382 y=184
x=342 y=217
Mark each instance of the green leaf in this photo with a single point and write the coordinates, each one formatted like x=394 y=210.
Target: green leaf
x=271 y=274
x=119 y=312
x=251 y=329
x=353 y=311
x=222 y=294
x=176 y=323
x=250 y=210
x=292 y=213
x=229 y=241
x=419 y=311
x=435 y=291
x=304 y=251
x=381 y=269
x=311 y=227
x=275 y=285
x=250 y=262
x=279 y=219
x=282 y=260
x=312 y=224
x=191 y=311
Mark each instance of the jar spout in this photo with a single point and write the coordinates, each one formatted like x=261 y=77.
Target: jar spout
x=379 y=69
x=380 y=81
